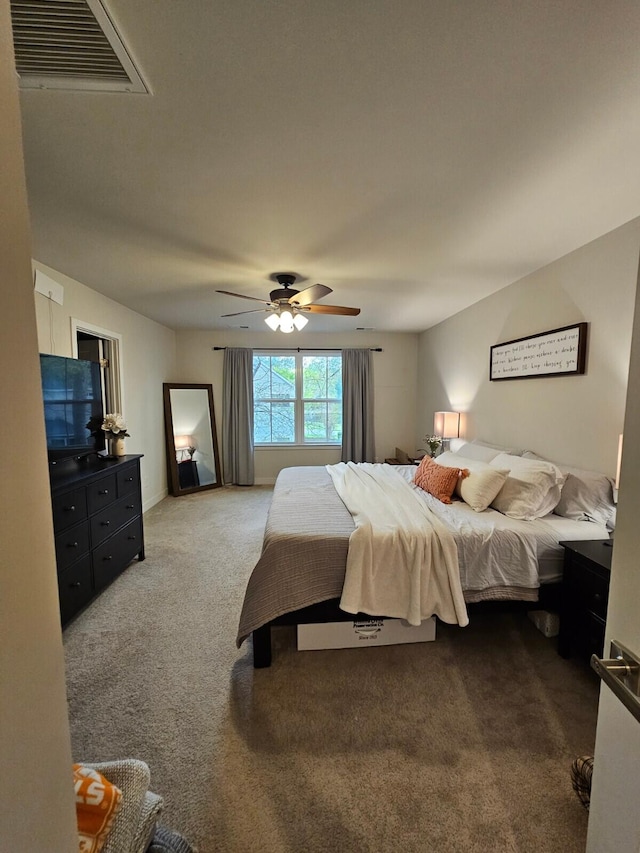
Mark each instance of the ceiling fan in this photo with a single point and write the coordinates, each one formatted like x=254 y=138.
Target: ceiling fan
x=286 y=306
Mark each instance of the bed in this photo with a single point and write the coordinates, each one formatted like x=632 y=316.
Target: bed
x=300 y=575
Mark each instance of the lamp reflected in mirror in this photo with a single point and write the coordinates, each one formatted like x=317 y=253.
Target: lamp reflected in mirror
x=185 y=447
x=192 y=448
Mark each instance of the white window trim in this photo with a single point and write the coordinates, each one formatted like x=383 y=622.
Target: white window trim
x=116 y=390
x=298 y=403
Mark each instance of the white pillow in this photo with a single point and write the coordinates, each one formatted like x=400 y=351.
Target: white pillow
x=481 y=486
x=586 y=495
x=476 y=451
x=531 y=490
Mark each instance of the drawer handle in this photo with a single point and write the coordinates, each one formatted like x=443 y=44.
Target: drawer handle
x=103 y=492
x=133 y=538
x=75 y=585
x=129 y=480
x=597 y=596
x=108 y=558
x=105 y=523
x=72 y=544
x=70 y=508
x=131 y=506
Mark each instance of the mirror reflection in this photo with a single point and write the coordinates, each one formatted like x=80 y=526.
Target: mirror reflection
x=192 y=450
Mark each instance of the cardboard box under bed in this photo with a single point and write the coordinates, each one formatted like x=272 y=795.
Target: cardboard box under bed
x=359 y=634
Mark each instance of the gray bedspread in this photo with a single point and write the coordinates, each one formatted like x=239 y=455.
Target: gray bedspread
x=304 y=553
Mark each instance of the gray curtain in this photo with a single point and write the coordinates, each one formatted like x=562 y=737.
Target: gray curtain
x=237 y=416
x=358 y=444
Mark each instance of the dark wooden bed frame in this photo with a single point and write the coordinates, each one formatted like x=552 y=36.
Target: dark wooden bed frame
x=329 y=611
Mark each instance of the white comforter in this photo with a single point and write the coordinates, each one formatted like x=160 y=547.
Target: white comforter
x=402 y=560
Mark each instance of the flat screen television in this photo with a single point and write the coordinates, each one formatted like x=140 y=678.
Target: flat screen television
x=72 y=395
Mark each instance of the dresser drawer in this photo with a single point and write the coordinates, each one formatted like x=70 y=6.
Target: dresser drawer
x=590 y=635
x=584 y=599
x=113 y=555
x=72 y=544
x=593 y=592
x=128 y=480
x=101 y=493
x=69 y=508
x=108 y=520
x=75 y=588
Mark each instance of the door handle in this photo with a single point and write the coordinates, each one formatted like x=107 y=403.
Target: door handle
x=621 y=674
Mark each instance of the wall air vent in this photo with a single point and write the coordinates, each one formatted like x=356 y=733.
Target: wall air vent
x=71 y=44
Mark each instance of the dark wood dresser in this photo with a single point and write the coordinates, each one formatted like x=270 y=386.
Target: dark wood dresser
x=584 y=597
x=97 y=521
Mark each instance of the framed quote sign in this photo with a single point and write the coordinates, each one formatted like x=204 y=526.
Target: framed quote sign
x=560 y=352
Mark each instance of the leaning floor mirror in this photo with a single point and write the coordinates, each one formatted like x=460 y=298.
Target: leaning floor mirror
x=192 y=446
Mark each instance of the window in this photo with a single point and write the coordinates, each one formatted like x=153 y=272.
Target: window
x=297 y=398
x=95 y=344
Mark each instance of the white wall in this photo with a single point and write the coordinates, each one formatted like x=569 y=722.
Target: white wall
x=148 y=360
x=573 y=419
x=394 y=386
x=37 y=807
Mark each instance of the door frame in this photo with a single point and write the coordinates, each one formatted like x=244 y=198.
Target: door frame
x=614 y=817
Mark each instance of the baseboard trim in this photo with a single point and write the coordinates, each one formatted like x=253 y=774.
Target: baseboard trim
x=264 y=481
x=151 y=502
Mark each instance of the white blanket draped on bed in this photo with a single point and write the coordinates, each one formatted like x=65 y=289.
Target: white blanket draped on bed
x=402 y=561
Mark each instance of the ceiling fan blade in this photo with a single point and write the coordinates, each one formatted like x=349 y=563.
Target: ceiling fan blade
x=310 y=294
x=242 y=296
x=237 y=313
x=332 y=309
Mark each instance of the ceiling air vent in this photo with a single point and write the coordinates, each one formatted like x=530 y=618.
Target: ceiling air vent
x=70 y=44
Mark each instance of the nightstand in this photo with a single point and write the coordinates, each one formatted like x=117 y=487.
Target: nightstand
x=188 y=474
x=401 y=458
x=584 y=597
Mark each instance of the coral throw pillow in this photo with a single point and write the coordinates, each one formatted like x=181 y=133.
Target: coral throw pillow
x=97 y=803
x=438 y=480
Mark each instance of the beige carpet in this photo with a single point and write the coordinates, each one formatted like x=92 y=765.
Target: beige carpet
x=464 y=744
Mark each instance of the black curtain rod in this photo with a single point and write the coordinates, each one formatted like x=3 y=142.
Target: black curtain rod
x=305 y=349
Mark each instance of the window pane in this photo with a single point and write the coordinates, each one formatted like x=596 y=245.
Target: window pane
x=315 y=421
x=273 y=422
x=314 y=377
x=262 y=422
x=261 y=376
x=334 y=422
x=283 y=377
x=274 y=377
x=334 y=377
x=283 y=422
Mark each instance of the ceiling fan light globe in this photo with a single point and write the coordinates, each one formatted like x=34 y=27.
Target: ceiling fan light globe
x=273 y=321
x=300 y=321
x=286 y=321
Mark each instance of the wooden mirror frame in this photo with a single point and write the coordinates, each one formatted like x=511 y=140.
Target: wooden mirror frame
x=172 y=460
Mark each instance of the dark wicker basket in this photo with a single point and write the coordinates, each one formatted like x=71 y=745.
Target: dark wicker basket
x=167 y=841
x=581 y=773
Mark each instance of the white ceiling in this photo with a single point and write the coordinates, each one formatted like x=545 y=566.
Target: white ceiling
x=413 y=155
